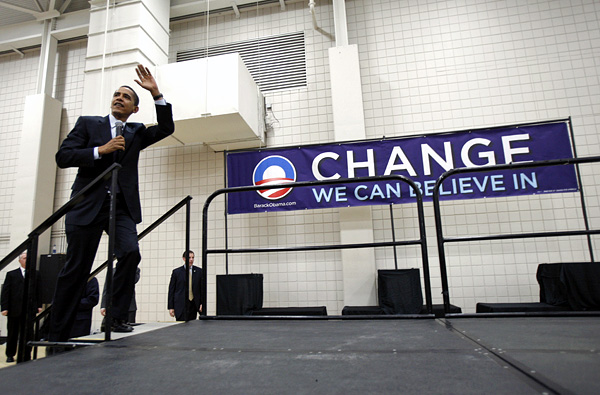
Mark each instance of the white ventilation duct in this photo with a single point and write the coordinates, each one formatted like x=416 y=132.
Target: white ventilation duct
x=215 y=101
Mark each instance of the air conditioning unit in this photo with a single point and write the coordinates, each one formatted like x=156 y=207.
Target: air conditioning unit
x=215 y=101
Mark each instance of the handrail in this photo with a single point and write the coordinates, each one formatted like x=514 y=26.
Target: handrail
x=58 y=214
x=31 y=244
x=184 y=202
x=149 y=229
x=441 y=240
x=421 y=241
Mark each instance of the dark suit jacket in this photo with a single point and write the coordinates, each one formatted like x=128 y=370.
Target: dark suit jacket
x=83 y=319
x=11 y=298
x=77 y=150
x=177 y=295
x=89 y=299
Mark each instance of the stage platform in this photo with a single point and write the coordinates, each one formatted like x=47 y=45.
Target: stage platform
x=139 y=329
x=462 y=355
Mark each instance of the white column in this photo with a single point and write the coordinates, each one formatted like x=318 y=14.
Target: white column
x=129 y=32
x=36 y=168
x=356 y=225
x=360 y=285
x=47 y=60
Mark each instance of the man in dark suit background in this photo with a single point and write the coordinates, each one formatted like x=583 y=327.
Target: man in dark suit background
x=11 y=301
x=83 y=318
x=93 y=145
x=177 y=290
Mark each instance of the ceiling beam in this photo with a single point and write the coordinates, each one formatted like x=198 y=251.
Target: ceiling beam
x=39 y=6
x=39 y=16
x=19 y=8
x=19 y=52
x=76 y=24
x=28 y=34
x=235 y=9
x=63 y=7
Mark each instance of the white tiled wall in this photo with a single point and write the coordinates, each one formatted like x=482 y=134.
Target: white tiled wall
x=426 y=66
x=434 y=66
x=300 y=116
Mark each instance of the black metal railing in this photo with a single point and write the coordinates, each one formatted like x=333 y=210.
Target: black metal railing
x=31 y=245
x=184 y=202
x=27 y=334
x=422 y=241
x=441 y=240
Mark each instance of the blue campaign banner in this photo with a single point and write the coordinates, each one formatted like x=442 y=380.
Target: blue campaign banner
x=422 y=159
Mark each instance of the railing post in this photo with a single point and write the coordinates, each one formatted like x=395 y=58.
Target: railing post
x=29 y=305
x=187 y=261
x=581 y=195
x=393 y=235
x=424 y=253
x=205 y=254
x=112 y=219
x=440 y=244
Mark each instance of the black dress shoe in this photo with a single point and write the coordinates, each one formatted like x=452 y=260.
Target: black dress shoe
x=119 y=326
x=10 y=360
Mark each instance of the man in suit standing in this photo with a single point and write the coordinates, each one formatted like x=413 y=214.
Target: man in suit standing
x=177 y=290
x=12 y=305
x=93 y=145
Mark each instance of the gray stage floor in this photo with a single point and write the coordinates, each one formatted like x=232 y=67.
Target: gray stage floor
x=454 y=356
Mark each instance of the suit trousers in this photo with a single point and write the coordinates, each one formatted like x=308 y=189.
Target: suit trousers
x=81 y=250
x=81 y=327
x=12 y=326
x=192 y=312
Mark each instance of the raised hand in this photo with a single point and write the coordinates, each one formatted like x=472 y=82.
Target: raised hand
x=146 y=80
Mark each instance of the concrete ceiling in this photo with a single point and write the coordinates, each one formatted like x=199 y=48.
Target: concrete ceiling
x=19 y=11
x=22 y=21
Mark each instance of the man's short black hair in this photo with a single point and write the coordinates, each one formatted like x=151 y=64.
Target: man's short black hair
x=187 y=253
x=136 y=99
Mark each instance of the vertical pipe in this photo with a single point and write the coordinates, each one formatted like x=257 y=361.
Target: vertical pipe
x=46 y=67
x=340 y=22
x=206 y=57
x=104 y=53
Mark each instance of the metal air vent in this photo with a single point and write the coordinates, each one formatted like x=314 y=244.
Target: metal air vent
x=275 y=63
